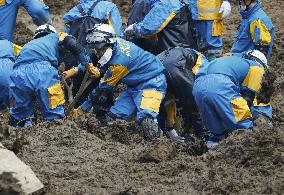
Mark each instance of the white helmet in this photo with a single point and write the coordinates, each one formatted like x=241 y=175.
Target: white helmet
x=257 y=56
x=100 y=36
x=43 y=30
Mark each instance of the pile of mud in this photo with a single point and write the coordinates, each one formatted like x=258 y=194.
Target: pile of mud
x=80 y=157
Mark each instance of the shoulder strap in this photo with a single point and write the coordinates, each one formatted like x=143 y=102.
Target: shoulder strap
x=92 y=7
x=81 y=10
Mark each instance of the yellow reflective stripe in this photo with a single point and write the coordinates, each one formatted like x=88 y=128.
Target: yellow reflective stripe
x=16 y=49
x=151 y=100
x=265 y=37
x=170 y=107
x=55 y=96
x=218 y=28
x=209 y=10
x=2 y=2
x=198 y=64
x=172 y=15
x=62 y=36
x=117 y=73
x=254 y=78
x=255 y=104
x=240 y=109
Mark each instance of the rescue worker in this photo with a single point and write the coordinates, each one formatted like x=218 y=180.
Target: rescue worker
x=35 y=76
x=140 y=71
x=169 y=22
x=208 y=16
x=7 y=59
x=256 y=31
x=181 y=65
x=103 y=10
x=224 y=91
x=8 y=14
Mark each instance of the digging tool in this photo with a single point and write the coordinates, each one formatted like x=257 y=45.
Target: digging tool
x=85 y=83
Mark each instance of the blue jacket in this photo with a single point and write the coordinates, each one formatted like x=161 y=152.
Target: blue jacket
x=205 y=9
x=104 y=10
x=244 y=73
x=6 y=66
x=256 y=31
x=50 y=48
x=8 y=13
x=162 y=12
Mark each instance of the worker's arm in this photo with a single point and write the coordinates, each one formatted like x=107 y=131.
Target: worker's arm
x=261 y=36
x=158 y=17
x=114 y=19
x=38 y=11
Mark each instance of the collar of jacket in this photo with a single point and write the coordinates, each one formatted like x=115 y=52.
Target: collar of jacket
x=247 y=13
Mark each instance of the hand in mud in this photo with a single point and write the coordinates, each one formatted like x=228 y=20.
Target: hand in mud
x=267 y=88
x=77 y=112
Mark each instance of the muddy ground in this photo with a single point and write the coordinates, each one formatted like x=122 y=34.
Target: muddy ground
x=79 y=157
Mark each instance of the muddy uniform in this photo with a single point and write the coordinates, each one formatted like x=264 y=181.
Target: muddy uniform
x=142 y=73
x=35 y=76
x=170 y=22
x=223 y=91
x=181 y=66
x=209 y=25
x=104 y=10
x=8 y=14
x=256 y=31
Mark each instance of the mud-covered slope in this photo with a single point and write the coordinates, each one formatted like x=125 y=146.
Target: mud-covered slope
x=79 y=157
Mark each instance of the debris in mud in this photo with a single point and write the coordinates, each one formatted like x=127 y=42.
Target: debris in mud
x=9 y=184
x=163 y=150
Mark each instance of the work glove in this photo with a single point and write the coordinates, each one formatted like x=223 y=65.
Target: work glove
x=77 y=112
x=129 y=31
x=93 y=71
x=225 y=9
x=172 y=134
x=70 y=73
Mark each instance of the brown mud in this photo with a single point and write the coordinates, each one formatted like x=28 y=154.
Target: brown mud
x=80 y=157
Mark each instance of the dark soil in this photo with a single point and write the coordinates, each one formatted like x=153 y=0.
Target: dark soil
x=8 y=184
x=80 y=157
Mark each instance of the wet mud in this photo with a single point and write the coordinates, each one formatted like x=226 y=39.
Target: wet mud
x=81 y=157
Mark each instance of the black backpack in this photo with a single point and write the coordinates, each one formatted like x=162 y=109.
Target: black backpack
x=80 y=26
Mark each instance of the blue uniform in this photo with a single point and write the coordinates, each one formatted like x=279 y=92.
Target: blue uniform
x=256 y=31
x=104 y=10
x=168 y=23
x=8 y=13
x=217 y=91
x=35 y=76
x=209 y=25
x=7 y=59
x=142 y=73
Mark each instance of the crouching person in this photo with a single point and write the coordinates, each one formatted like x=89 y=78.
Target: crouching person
x=181 y=65
x=224 y=92
x=35 y=76
x=140 y=71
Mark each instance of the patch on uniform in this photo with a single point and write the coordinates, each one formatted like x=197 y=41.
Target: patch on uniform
x=2 y=2
x=55 y=96
x=151 y=100
x=124 y=46
x=240 y=109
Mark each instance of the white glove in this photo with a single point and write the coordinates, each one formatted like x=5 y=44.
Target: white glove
x=225 y=9
x=175 y=137
x=129 y=31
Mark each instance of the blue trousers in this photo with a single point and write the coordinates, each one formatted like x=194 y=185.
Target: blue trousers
x=6 y=68
x=141 y=101
x=31 y=82
x=211 y=44
x=222 y=108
